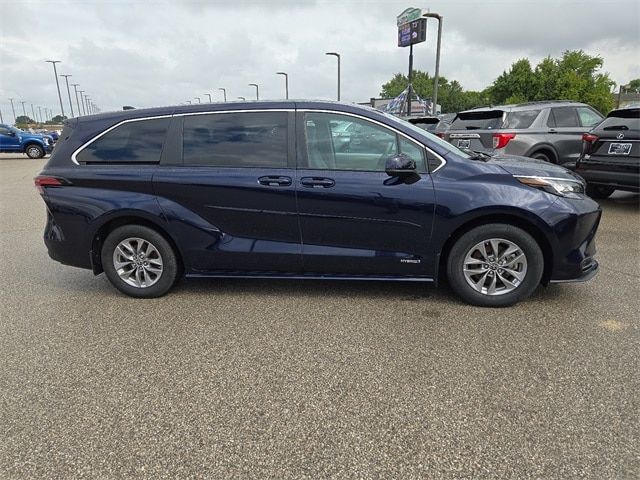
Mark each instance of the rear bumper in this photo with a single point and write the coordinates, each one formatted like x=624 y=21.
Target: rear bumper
x=601 y=172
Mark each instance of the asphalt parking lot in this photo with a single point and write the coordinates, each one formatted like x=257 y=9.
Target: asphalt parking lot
x=286 y=379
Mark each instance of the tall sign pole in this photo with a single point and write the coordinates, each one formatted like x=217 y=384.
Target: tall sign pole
x=412 y=29
x=435 y=80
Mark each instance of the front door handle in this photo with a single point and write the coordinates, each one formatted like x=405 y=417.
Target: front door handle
x=275 y=181
x=553 y=130
x=317 y=182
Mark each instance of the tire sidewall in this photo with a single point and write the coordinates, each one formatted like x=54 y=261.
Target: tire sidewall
x=169 y=261
x=531 y=249
x=33 y=146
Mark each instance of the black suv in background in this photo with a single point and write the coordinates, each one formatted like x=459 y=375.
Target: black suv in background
x=550 y=131
x=610 y=157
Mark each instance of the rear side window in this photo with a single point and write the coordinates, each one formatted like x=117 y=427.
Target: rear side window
x=523 y=119
x=247 y=139
x=563 y=117
x=132 y=142
x=485 y=120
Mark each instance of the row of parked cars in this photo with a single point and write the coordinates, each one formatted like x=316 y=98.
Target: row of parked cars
x=603 y=150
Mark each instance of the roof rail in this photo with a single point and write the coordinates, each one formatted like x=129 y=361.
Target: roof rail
x=544 y=101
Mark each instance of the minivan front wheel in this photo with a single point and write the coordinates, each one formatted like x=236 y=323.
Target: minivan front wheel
x=495 y=265
x=139 y=261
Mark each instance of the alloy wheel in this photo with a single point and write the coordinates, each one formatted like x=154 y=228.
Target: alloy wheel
x=137 y=262
x=495 y=266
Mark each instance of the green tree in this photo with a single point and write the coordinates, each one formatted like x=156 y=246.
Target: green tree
x=451 y=96
x=574 y=76
x=23 y=120
x=634 y=85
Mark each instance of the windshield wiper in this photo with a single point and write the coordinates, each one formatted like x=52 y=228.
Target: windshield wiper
x=476 y=155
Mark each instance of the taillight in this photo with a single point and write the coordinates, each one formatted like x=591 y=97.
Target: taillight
x=42 y=181
x=588 y=139
x=500 y=140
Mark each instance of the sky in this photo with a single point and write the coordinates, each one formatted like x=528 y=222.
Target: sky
x=149 y=53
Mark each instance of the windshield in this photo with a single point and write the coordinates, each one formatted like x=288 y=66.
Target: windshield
x=432 y=138
x=16 y=130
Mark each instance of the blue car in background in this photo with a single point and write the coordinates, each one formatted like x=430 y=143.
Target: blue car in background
x=268 y=189
x=14 y=140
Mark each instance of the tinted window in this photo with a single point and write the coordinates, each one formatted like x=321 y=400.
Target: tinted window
x=340 y=142
x=414 y=152
x=478 y=120
x=588 y=118
x=522 y=119
x=132 y=142
x=4 y=131
x=251 y=139
x=563 y=117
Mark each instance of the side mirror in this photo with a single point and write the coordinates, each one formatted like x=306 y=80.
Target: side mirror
x=399 y=166
x=11 y=133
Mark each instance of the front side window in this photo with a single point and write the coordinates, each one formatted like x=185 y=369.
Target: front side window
x=340 y=142
x=243 y=139
x=588 y=118
x=132 y=142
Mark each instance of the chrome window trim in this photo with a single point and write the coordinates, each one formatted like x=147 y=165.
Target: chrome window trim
x=443 y=162
x=140 y=119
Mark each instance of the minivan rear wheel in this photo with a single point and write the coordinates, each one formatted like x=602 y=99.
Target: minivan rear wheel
x=139 y=261
x=495 y=265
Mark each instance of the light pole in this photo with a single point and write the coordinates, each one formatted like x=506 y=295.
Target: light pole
x=75 y=89
x=81 y=92
x=66 y=79
x=241 y=98
x=55 y=72
x=13 y=110
x=257 y=90
x=337 y=55
x=198 y=98
x=286 y=84
x=40 y=113
x=224 y=90
x=208 y=95
x=24 y=112
x=1 y=119
x=33 y=112
x=86 y=100
x=437 y=72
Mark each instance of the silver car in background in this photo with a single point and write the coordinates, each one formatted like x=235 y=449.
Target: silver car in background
x=550 y=130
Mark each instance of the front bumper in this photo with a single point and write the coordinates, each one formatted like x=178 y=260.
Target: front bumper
x=574 y=224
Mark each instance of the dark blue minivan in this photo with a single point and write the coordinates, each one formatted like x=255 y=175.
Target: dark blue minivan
x=307 y=189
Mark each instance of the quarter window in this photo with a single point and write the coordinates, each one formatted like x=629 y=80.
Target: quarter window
x=247 y=139
x=132 y=142
x=339 y=142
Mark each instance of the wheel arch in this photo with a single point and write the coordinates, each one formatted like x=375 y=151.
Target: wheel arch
x=506 y=218
x=33 y=142
x=545 y=148
x=111 y=224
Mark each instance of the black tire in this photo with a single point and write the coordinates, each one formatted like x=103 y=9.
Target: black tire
x=542 y=156
x=467 y=242
x=33 y=150
x=599 y=191
x=162 y=282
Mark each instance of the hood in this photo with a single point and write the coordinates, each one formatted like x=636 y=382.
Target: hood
x=517 y=165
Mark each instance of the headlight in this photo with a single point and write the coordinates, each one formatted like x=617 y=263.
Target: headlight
x=563 y=187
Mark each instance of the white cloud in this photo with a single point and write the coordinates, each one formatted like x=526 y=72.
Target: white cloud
x=148 y=53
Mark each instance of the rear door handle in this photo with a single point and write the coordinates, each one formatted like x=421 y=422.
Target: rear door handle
x=275 y=181
x=553 y=130
x=317 y=182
